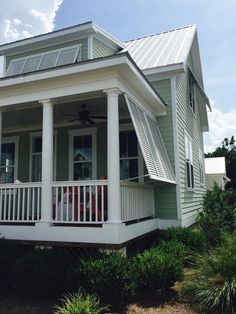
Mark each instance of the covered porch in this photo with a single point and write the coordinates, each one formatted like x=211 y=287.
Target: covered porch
x=69 y=179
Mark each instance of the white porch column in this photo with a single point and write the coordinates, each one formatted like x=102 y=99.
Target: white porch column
x=113 y=156
x=47 y=161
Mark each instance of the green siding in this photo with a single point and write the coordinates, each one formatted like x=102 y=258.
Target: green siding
x=101 y=50
x=191 y=201
x=84 y=50
x=165 y=194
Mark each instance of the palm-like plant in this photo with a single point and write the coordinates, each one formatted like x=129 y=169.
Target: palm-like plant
x=80 y=303
x=212 y=285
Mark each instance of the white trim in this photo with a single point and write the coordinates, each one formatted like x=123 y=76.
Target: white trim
x=79 y=132
x=15 y=140
x=176 y=146
x=39 y=134
x=90 y=46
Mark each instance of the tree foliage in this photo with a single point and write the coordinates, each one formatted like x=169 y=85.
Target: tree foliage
x=227 y=150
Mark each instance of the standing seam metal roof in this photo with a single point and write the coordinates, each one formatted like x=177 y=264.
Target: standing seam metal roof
x=162 y=49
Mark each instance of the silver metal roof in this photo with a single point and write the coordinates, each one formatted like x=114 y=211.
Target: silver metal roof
x=162 y=49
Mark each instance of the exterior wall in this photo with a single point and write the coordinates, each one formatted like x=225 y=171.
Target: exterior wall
x=101 y=50
x=62 y=153
x=84 y=50
x=165 y=194
x=191 y=201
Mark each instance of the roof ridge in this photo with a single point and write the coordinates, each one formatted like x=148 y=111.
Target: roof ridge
x=164 y=32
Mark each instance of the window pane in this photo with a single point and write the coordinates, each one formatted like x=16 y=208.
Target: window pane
x=48 y=60
x=128 y=168
x=83 y=171
x=82 y=148
x=132 y=144
x=31 y=64
x=123 y=145
x=15 y=67
x=188 y=175
x=37 y=146
x=7 y=175
x=67 y=56
x=8 y=154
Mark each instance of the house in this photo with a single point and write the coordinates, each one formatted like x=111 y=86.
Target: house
x=215 y=171
x=102 y=140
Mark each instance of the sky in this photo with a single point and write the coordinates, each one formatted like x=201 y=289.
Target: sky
x=128 y=19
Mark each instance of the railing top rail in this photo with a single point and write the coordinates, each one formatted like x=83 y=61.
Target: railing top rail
x=79 y=183
x=20 y=185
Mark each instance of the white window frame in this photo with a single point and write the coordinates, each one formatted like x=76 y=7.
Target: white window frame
x=15 y=140
x=201 y=168
x=81 y=132
x=130 y=127
x=39 y=134
x=188 y=148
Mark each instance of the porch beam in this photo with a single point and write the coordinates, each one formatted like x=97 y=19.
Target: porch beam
x=113 y=156
x=47 y=161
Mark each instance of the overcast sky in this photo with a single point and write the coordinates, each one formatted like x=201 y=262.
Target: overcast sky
x=127 y=19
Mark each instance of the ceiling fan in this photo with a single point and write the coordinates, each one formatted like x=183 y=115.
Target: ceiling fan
x=84 y=116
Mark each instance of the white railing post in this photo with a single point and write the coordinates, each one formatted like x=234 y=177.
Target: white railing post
x=0 y=137
x=113 y=156
x=47 y=161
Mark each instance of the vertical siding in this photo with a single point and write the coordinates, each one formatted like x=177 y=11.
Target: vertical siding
x=165 y=193
x=101 y=50
x=191 y=201
x=84 y=50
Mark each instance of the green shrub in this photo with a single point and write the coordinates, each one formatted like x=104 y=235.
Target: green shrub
x=193 y=240
x=80 y=303
x=40 y=272
x=173 y=247
x=212 y=285
x=155 y=269
x=219 y=215
x=9 y=252
x=108 y=276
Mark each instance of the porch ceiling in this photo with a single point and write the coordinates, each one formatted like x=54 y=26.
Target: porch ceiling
x=26 y=116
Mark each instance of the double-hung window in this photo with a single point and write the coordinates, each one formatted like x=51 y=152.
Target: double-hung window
x=189 y=161
x=129 y=166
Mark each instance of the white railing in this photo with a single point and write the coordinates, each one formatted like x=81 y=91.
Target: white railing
x=137 y=201
x=20 y=202
x=80 y=202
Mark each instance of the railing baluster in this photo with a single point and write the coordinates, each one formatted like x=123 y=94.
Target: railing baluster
x=33 y=204
x=14 y=205
x=5 y=204
x=96 y=203
x=1 y=205
x=79 y=218
x=38 y=203
x=90 y=203
x=84 y=202
x=73 y=204
x=102 y=202
x=28 y=204
x=9 y=205
x=56 y=205
x=62 y=202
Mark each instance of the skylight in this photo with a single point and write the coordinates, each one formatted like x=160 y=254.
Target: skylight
x=46 y=60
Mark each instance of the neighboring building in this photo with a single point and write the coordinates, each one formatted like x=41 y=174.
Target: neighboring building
x=215 y=171
x=102 y=141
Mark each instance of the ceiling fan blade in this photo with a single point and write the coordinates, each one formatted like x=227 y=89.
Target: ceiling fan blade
x=69 y=115
x=90 y=121
x=98 y=117
x=72 y=120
